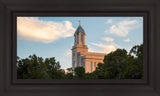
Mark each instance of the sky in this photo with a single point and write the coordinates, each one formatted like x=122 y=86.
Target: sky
x=54 y=36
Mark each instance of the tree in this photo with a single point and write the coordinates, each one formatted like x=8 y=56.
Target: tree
x=116 y=65
x=70 y=70
x=113 y=66
x=35 y=67
x=120 y=65
x=69 y=74
x=136 y=62
x=79 y=72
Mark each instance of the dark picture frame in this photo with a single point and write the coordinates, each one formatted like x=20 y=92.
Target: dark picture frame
x=148 y=86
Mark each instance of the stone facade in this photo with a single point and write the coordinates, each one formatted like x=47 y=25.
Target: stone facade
x=80 y=54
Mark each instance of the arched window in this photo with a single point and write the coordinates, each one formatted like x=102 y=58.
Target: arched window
x=82 y=38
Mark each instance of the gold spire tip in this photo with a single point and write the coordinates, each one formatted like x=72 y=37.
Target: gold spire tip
x=79 y=22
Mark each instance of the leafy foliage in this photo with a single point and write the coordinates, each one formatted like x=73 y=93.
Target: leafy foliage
x=120 y=65
x=79 y=72
x=37 y=68
x=116 y=65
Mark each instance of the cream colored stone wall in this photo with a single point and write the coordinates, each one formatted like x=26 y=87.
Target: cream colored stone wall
x=95 y=58
x=88 y=64
x=84 y=58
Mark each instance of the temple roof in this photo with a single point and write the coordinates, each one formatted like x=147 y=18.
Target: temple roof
x=79 y=29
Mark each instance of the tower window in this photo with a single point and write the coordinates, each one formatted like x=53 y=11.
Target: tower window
x=75 y=39
x=82 y=38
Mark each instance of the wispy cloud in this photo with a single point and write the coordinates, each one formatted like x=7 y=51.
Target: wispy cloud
x=109 y=21
x=108 y=39
x=68 y=53
x=122 y=28
x=32 y=28
x=91 y=50
x=105 y=48
x=127 y=40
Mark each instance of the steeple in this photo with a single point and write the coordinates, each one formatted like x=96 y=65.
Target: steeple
x=79 y=47
x=79 y=29
x=79 y=35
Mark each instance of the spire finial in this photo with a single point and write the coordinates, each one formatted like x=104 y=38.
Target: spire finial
x=79 y=22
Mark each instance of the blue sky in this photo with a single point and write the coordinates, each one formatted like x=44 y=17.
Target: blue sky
x=53 y=36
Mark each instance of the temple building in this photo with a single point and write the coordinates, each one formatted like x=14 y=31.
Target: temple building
x=80 y=54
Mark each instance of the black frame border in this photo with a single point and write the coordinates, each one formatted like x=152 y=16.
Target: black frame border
x=9 y=86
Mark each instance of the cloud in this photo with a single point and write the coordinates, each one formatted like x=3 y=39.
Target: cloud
x=105 y=48
x=109 y=21
x=123 y=28
x=127 y=40
x=108 y=39
x=91 y=50
x=32 y=28
x=68 y=53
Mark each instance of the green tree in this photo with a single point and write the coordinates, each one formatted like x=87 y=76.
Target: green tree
x=113 y=66
x=135 y=64
x=35 y=67
x=116 y=65
x=91 y=75
x=120 y=65
x=69 y=74
x=79 y=72
x=70 y=70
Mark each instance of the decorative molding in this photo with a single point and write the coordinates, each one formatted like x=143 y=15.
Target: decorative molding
x=10 y=86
